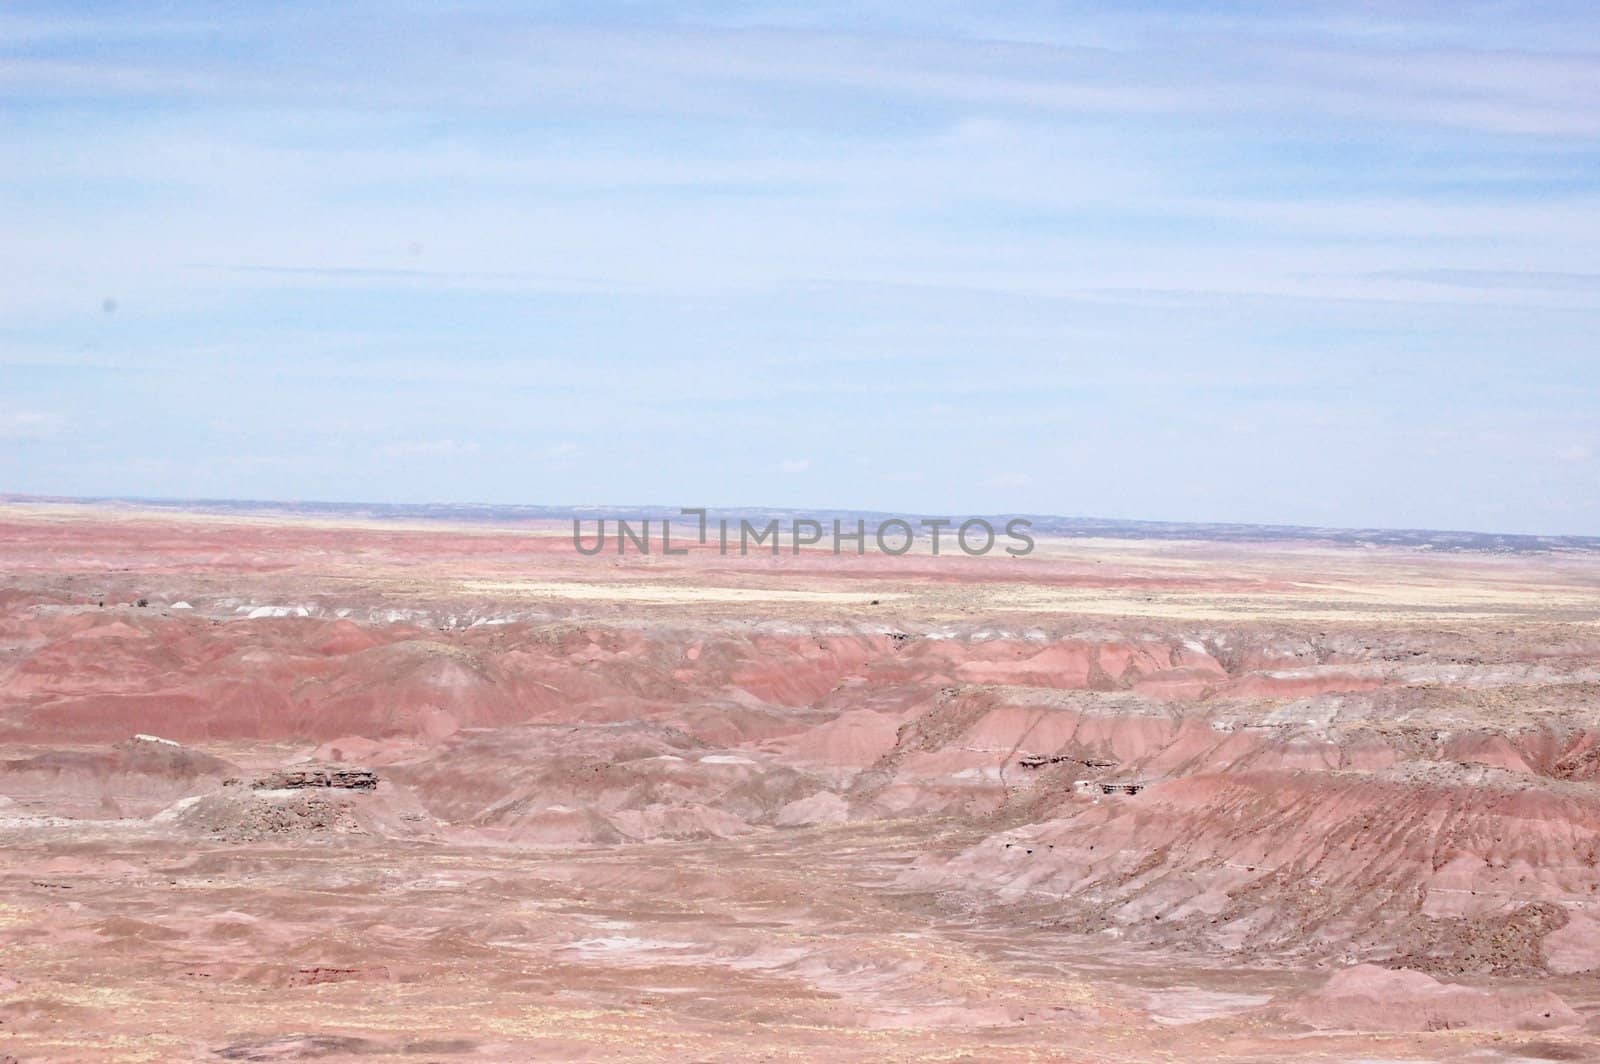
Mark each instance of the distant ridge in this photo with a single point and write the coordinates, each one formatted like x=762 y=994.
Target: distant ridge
x=1046 y=524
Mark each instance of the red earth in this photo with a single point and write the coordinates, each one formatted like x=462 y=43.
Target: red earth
x=345 y=790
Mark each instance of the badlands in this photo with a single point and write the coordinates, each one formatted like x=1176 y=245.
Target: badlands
x=333 y=788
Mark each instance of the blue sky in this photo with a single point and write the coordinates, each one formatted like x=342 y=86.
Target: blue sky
x=1321 y=263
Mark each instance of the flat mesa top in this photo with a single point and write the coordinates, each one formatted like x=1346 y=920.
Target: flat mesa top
x=283 y=564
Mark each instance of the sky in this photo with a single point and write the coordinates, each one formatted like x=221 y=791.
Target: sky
x=1313 y=263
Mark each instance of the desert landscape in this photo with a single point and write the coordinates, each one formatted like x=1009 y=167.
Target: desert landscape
x=290 y=787
x=1242 y=354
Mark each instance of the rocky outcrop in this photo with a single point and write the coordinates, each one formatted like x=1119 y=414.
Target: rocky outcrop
x=330 y=777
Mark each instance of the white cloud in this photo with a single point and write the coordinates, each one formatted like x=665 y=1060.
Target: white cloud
x=429 y=449
x=19 y=426
x=794 y=465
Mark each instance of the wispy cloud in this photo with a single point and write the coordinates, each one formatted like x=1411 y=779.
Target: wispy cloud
x=1518 y=280
x=1576 y=452
x=428 y=449
x=22 y=426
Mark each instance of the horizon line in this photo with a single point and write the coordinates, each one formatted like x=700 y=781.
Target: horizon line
x=1151 y=528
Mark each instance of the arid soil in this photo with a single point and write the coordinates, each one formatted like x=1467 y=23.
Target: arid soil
x=342 y=790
